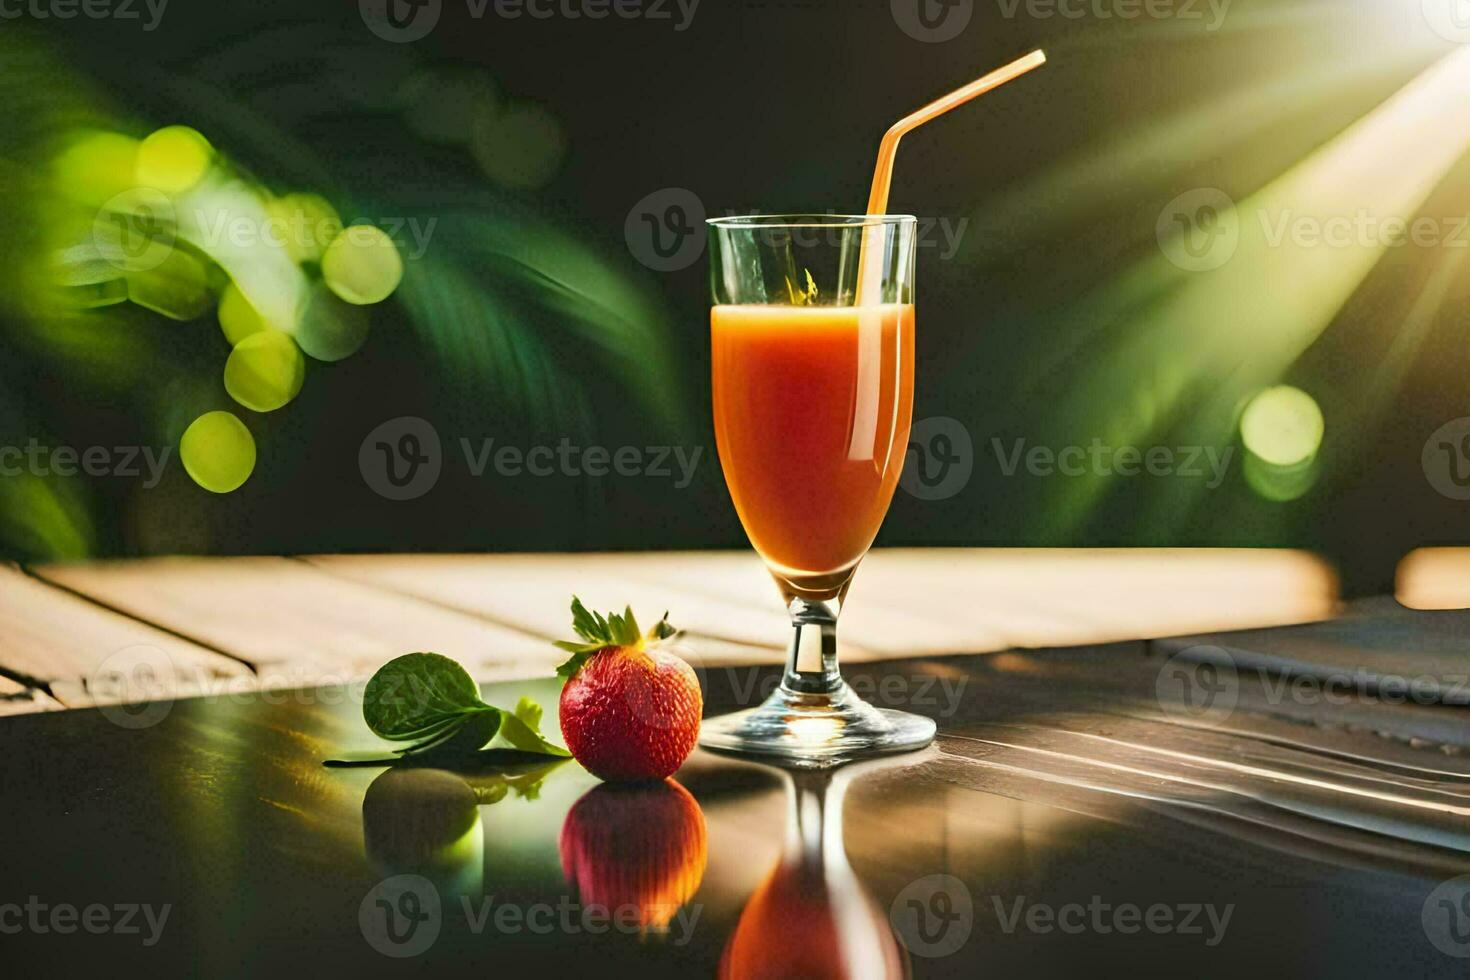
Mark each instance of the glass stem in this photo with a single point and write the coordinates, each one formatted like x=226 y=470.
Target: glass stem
x=811 y=659
x=813 y=820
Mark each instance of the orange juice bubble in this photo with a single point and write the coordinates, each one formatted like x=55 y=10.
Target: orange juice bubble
x=812 y=409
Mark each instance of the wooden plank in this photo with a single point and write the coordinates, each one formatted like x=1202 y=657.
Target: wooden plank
x=1411 y=656
x=905 y=602
x=875 y=624
x=340 y=617
x=19 y=699
x=87 y=654
x=533 y=594
x=932 y=601
x=1434 y=578
x=978 y=600
x=297 y=625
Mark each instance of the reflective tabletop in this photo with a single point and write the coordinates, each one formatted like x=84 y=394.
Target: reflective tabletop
x=1068 y=819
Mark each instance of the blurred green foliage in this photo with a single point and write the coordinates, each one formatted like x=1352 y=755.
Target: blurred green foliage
x=124 y=283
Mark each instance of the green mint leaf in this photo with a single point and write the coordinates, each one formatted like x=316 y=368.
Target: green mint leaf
x=528 y=785
x=488 y=793
x=432 y=702
x=464 y=734
x=519 y=735
x=529 y=712
x=431 y=732
x=522 y=729
x=435 y=723
x=415 y=692
x=430 y=741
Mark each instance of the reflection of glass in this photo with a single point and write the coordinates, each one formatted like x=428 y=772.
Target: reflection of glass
x=427 y=821
x=811 y=917
x=813 y=372
x=635 y=852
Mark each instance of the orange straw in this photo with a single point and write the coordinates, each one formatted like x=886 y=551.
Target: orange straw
x=883 y=173
x=870 y=256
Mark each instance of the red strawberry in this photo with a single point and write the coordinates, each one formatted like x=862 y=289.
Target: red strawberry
x=630 y=710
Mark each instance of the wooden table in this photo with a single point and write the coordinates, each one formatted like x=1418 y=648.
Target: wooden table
x=1070 y=817
x=69 y=632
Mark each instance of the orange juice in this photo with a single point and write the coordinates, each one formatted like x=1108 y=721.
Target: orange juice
x=812 y=410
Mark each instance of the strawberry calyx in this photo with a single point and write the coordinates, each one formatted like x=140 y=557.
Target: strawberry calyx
x=598 y=632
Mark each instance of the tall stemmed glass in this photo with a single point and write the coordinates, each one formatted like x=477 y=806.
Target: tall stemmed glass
x=813 y=355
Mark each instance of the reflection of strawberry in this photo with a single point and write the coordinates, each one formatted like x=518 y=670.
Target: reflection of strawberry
x=635 y=847
x=629 y=711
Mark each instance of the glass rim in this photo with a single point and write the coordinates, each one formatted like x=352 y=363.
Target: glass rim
x=809 y=220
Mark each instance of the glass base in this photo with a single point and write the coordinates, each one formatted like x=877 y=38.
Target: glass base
x=816 y=730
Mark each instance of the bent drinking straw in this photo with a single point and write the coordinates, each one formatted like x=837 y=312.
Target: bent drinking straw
x=888 y=148
x=883 y=172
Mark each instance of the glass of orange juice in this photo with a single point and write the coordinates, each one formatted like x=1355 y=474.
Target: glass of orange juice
x=813 y=368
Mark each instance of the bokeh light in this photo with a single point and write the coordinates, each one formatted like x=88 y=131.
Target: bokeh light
x=330 y=329
x=520 y=147
x=86 y=280
x=136 y=230
x=1282 y=426
x=218 y=452
x=362 y=265
x=265 y=371
x=168 y=225
x=173 y=159
x=140 y=224
x=307 y=223
x=96 y=166
x=237 y=318
x=1280 y=484
x=442 y=104
x=178 y=287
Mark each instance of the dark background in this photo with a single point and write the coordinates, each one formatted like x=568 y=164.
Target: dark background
x=756 y=106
